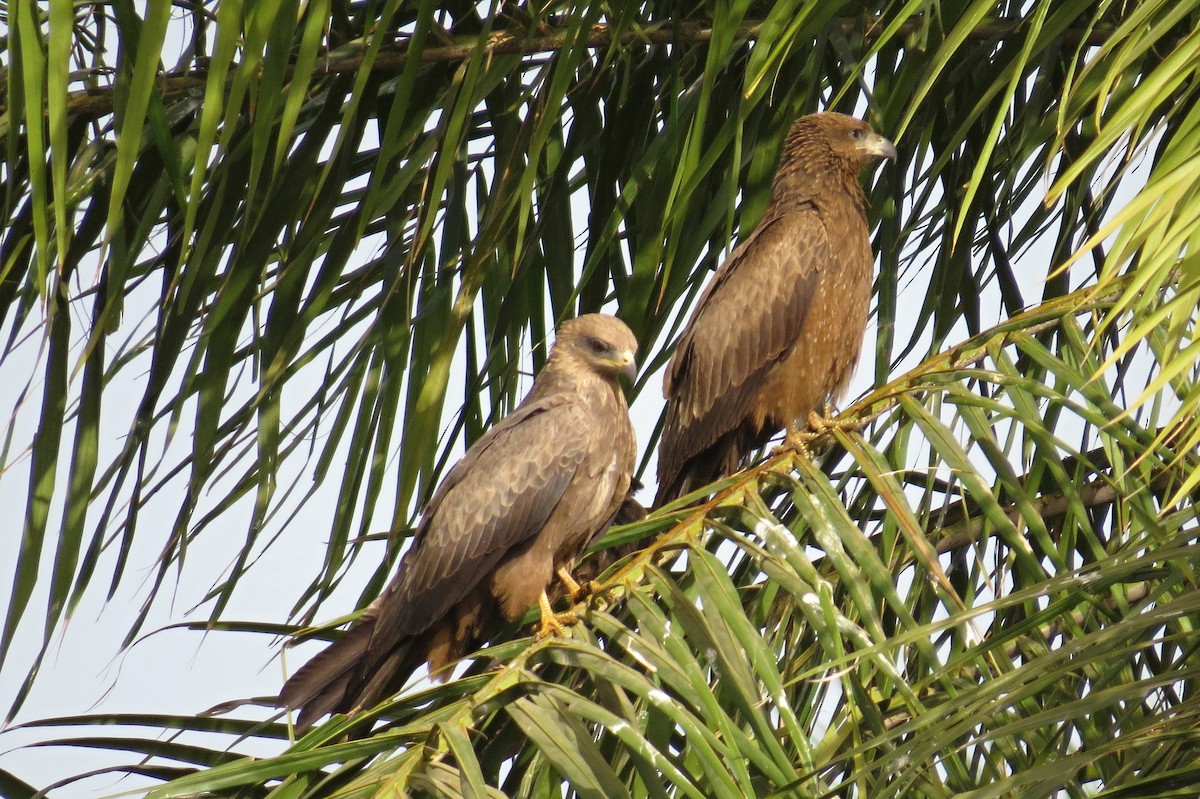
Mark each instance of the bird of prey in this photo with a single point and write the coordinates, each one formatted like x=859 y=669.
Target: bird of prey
x=522 y=504
x=777 y=331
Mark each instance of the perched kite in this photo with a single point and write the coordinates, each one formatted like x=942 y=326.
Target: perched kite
x=778 y=330
x=519 y=508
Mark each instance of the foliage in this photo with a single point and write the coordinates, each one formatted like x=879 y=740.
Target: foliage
x=989 y=592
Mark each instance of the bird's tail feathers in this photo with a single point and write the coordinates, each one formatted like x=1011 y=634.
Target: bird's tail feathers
x=701 y=469
x=720 y=459
x=337 y=678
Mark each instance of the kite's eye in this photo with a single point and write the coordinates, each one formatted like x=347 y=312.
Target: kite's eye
x=856 y=134
x=597 y=346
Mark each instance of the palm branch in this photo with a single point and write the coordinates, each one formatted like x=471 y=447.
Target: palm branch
x=278 y=263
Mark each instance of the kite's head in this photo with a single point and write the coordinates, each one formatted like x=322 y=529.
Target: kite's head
x=604 y=343
x=846 y=138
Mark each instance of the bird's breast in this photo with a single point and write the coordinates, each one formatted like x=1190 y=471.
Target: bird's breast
x=819 y=364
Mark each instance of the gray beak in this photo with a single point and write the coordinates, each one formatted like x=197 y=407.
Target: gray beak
x=875 y=145
x=629 y=365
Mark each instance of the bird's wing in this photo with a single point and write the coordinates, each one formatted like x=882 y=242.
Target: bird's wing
x=500 y=494
x=747 y=319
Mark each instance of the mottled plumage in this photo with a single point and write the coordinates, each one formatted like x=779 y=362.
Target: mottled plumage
x=779 y=328
x=525 y=500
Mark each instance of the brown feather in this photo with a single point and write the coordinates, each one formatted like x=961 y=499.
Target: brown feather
x=527 y=498
x=779 y=327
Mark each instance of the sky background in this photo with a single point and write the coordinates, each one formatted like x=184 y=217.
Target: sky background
x=173 y=669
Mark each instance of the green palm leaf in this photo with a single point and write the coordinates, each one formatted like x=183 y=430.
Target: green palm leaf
x=271 y=266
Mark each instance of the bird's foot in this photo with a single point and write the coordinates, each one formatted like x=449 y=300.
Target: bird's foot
x=556 y=625
x=576 y=591
x=796 y=440
x=587 y=590
x=822 y=423
x=553 y=623
x=800 y=440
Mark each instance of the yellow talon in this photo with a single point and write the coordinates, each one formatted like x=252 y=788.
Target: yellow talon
x=553 y=623
x=795 y=440
x=575 y=591
x=819 y=424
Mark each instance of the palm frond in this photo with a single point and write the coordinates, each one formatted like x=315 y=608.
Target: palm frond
x=277 y=264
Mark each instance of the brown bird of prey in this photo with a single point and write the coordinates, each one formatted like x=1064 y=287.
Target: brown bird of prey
x=778 y=330
x=519 y=508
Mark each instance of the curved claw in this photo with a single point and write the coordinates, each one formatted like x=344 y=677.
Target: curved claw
x=553 y=623
x=818 y=425
x=796 y=440
x=821 y=423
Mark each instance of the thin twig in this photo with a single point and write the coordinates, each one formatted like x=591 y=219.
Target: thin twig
x=97 y=102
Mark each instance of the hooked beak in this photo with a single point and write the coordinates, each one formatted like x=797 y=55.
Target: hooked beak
x=875 y=145
x=628 y=365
